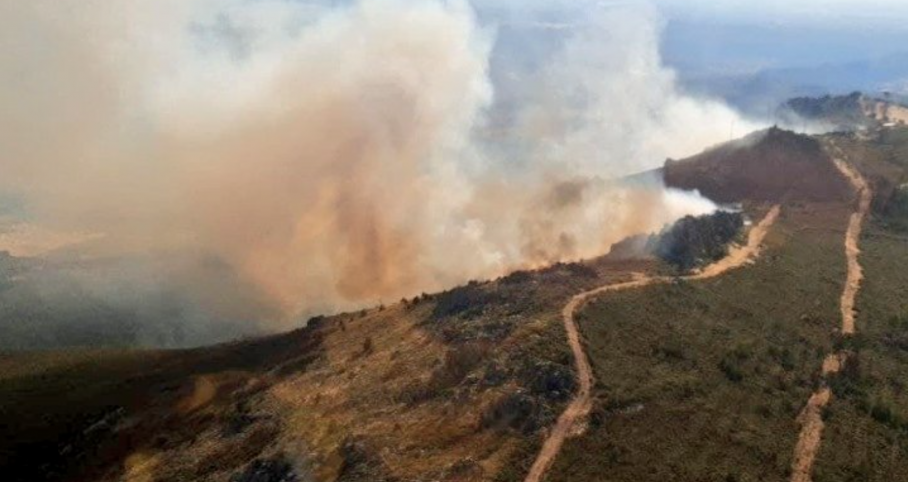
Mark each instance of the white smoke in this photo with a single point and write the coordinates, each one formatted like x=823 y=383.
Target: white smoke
x=337 y=155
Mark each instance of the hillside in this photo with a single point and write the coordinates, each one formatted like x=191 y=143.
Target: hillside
x=766 y=166
x=456 y=383
x=725 y=368
x=695 y=375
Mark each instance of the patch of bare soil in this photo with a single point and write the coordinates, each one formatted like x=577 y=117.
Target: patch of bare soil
x=571 y=420
x=811 y=419
x=886 y=112
x=898 y=114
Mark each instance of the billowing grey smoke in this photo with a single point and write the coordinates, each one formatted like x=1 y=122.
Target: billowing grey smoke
x=330 y=157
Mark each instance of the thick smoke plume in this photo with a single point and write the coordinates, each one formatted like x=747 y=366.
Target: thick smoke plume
x=334 y=156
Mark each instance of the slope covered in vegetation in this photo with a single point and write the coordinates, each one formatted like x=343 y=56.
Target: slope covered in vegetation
x=867 y=419
x=456 y=386
x=766 y=166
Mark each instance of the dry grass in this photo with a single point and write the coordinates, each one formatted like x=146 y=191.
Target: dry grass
x=335 y=400
x=356 y=394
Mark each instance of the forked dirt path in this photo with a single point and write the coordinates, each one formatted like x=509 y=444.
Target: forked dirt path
x=811 y=417
x=570 y=421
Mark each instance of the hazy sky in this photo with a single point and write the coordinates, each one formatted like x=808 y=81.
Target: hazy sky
x=846 y=12
x=703 y=37
x=803 y=11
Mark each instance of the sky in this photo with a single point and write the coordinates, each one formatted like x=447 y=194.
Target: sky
x=869 y=12
x=752 y=55
x=773 y=34
x=866 y=13
x=741 y=36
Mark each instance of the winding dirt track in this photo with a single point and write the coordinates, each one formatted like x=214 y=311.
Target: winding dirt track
x=811 y=417
x=571 y=420
x=852 y=237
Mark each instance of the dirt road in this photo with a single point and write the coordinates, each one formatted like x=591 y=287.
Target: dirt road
x=571 y=420
x=811 y=417
x=852 y=237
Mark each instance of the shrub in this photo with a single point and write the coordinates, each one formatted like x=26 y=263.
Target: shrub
x=582 y=270
x=467 y=301
x=453 y=369
x=695 y=241
x=551 y=380
x=517 y=411
x=732 y=369
x=458 y=363
x=517 y=277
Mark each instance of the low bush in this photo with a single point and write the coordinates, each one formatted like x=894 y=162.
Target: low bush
x=695 y=241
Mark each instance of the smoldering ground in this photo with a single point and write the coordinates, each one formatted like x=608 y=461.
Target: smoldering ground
x=328 y=156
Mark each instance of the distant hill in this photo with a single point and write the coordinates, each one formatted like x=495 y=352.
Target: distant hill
x=66 y=302
x=845 y=112
x=757 y=93
x=854 y=111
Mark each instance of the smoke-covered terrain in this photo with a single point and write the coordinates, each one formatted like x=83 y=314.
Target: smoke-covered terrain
x=254 y=163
